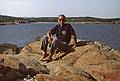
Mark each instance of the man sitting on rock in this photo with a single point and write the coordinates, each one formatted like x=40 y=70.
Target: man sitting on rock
x=64 y=32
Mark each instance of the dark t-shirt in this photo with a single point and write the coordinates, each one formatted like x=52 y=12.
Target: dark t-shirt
x=63 y=33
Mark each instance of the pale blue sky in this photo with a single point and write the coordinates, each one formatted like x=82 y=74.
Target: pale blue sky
x=38 y=8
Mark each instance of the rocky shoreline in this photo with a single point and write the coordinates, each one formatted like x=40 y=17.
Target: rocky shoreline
x=90 y=61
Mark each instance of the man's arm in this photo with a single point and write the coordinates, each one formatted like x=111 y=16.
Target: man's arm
x=74 y=41
x=49 y=35
x=73 y=36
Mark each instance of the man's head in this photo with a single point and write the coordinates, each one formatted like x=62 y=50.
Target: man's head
x=61 y=19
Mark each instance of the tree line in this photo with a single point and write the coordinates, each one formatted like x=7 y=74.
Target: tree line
x=54 y=19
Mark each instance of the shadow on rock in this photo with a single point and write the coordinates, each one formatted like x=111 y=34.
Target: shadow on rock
x=80 y=43
x=9 y=74
x=30 y=71
x=64 y=53
x=83 y=43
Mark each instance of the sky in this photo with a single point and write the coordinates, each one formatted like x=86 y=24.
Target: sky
x=52 y=8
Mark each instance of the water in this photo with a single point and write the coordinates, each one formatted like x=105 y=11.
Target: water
x=24 y=33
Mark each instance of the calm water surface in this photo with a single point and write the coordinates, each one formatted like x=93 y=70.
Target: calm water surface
x=24 y=33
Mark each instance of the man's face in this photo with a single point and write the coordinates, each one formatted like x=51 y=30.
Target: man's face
x=61 y=20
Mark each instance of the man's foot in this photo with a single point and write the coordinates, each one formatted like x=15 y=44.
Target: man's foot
x=44 y=56
x=48 y=59
x=57 y=51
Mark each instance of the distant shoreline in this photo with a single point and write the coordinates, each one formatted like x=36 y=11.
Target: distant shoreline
x=56 y=23
x=8 y=20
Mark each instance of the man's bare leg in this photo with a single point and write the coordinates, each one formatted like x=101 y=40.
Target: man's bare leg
x=48 y=58
x=44 y=55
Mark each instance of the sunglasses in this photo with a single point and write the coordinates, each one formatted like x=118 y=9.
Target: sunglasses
x=61 y=19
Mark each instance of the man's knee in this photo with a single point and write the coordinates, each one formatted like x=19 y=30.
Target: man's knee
x=44 y=38
x=54 y=40
x=44 y=43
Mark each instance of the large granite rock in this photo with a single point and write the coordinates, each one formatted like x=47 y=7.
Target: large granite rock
x=44 y=77
x=90 y=61
x=33 y=47
x=21 y=66
x=9 y=74
x=7 y=48
x=10 y=49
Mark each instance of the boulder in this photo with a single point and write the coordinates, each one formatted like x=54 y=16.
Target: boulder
x=7 y=48
x=21 y=65
x=90 y=61
x=9 y=74
x=45 y=77
x=33 y=47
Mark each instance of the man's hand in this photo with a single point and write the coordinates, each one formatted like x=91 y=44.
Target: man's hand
x=49 y=37
x=74 y=41
x=50 y=40
x=74 y=46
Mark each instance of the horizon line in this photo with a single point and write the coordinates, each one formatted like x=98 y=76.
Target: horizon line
x=56 y=16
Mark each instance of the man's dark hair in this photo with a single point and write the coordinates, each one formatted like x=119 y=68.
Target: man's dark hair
x=62 y=15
